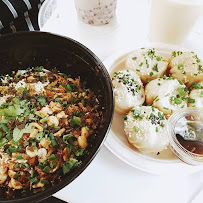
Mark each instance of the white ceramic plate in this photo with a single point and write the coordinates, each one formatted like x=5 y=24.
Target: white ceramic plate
x=164 y=163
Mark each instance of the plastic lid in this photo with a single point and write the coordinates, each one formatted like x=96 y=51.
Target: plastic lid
x=46 y=11
x=185 y=131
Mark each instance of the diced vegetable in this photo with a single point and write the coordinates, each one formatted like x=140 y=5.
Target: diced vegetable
x=4 y=127
x=75 y=121
x=67 y=137
x=54 y=143
x=3 y=141
x=191 y=100
x=19 y=157
x=17 y=134
x=12 y=149
x=47 y=169
x=39 y=136
x=53 y=164
x=52 y=157
x=43 y=120
x=69 y=165
x=46 y=182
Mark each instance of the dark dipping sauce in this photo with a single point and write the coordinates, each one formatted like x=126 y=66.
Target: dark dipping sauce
x=192 y=146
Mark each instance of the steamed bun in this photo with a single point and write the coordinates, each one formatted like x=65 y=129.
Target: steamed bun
x=167 y=94
x=147 y=63
x=196 y=95
x=128 y=90
x=145 y=129
x=187 y=67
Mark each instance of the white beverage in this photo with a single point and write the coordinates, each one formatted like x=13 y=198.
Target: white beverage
x=96 y=12
x=171 y=20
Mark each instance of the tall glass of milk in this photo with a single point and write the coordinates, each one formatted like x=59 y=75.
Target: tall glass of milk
x=172 y=20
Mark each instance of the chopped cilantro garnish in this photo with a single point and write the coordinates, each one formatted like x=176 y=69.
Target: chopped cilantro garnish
x=56 y=127
x=151 y=74
x=43 y=120
x=180 y=82
x=25 y=91
x=178 y=100
x=137 y=129
x=9 y=137
x=52 y=157
x=155 y=68
x=39 y=136
x=26 y=143
x=39 y=68
x=42 y=79
x=46 y=182
x=33 y=181
x=69 y=165
x=181 y=92
x=174 y=54
x=19 y=157
x=79 y=152
x=16 y=166
x=161 y=117
x=3 y=141
x=47 y=169
x=67 y=87
x=141 y=64
x=162 y=125
x=151 y=115
x=54 y=143
x=125 y=80
x=65 y=104
x=135 y=112
x=16 y=100
x=158 y=58
x=191 y=100
x=180 y=66
x=17 y=175
x=41 y=100
x=53 y=164
x=75 y=121
x=156 y=98
x=197 y=86
x=172 y=100
x=4 y=127
x=57 y=99
x=67 y=137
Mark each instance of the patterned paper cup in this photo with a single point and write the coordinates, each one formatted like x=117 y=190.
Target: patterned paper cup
x=96 y=12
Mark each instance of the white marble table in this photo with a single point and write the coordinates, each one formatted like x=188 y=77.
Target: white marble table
x=108 y=179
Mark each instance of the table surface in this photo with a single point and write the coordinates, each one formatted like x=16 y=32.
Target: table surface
x=108 y=179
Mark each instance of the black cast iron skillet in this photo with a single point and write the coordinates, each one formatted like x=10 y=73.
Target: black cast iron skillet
x=28 y=49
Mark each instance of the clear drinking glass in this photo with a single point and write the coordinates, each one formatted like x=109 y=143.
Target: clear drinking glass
x=172 y=20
